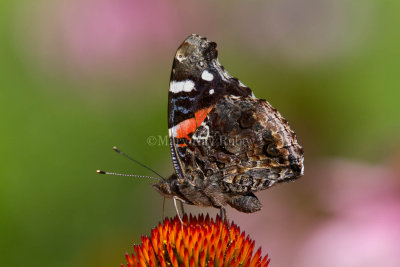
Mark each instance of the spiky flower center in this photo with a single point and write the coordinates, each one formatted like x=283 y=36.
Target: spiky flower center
x=199 y=242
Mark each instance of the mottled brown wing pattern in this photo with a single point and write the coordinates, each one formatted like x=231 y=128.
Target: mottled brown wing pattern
x=244 y=145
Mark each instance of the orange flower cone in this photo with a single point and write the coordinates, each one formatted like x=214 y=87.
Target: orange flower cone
x=200 y=242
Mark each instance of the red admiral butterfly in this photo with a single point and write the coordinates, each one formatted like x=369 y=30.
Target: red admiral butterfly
x=225 y=142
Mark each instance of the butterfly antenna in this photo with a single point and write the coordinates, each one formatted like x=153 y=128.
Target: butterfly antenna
x=137 y=162
x=124 y=174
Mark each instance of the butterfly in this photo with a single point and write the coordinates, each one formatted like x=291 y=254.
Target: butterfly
x=225 y=143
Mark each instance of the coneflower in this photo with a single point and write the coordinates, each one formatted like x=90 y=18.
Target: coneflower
x=199 y=242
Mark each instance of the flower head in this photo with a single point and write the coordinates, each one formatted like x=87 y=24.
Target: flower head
x=199 y=242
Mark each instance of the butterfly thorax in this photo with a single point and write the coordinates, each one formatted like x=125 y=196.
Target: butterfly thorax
x=188 y=193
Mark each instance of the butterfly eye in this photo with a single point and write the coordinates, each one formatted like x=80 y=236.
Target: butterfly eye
x=271 y=150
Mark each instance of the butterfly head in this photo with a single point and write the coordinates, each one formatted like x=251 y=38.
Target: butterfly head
x=194 y=55
x=167 y=187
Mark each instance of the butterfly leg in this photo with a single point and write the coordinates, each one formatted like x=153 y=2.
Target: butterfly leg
x=222 y=213
x=182 y=208
x=177 y=211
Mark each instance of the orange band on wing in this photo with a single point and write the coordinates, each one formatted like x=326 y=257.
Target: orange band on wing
x=189 y=126
x=202 y=114
x=185 y=127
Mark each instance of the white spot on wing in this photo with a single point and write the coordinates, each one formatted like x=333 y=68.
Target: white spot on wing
x=207 y=76
x=211 y=91
x=182 y=86
x=241 y=84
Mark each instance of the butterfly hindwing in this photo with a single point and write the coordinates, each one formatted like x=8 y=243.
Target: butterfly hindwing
x=244 y=145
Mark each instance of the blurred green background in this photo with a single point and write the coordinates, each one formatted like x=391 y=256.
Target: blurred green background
x=78 y=77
